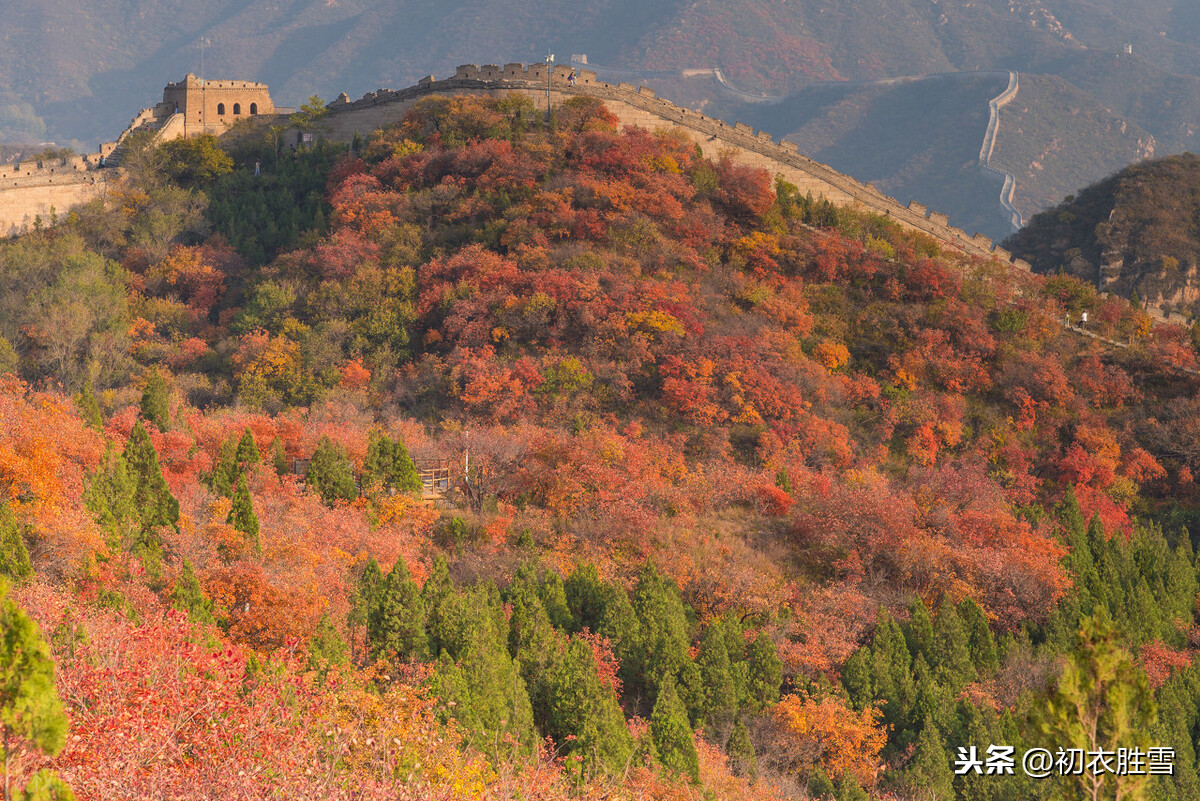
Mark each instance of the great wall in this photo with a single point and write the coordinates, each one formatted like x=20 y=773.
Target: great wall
x=639 y=106
x=79 y=179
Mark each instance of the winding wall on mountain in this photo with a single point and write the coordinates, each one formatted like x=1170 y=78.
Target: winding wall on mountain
x=639 y=106
x=989 y=147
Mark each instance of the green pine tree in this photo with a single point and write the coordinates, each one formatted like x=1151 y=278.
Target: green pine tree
x=389 y=466
x=327 y=648
x=951 y=657
x=585 y=592
x=657 y=650
x=14 y=556
x=891 y=670
x=932 y=702
x=980 y=642
x=31 y=716
x=858 y=679
x=740 y=751
x=764 y=673
x=848 y=789
x=477 y=679
x=363 y=599
x=918 y=632
x=672 y=734
x=187 y=596
x=820 y=787
x=154 y=505
x=330 y=473
x=89 y=409
x=583 y=716
x=241 y=514
x=156 y=397
x=247 y=452
x=396 y=624
x=225 y=471
x=554 y=599
x=1102 y=702
x=929 y=776
x=109 y=497
x=279 y=458
x=719 y=691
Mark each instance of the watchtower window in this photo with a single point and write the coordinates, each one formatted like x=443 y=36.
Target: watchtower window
x=253 y=108
x=221 y=109
x=237 y=109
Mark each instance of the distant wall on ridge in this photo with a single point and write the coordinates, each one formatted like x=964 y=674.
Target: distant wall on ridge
x=639 y=106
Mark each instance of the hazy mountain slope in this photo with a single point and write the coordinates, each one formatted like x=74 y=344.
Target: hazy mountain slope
x=1135 y=232
x=872 y=132
x=1056 y=138
x=76 y=71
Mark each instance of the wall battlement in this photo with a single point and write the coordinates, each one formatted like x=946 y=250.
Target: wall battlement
x=638 y=105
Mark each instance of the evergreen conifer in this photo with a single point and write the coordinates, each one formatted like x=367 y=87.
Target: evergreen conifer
x=151 y=499
x=241 y=514
x=279 y=458
x=330 y=473
x=583 y=716
x=554 y=599
x=14 y=556
x=187 y=596
x=247 y=452
x=225 y=471
x=980 y=642
x=764 y=673
x=585 y=592
x=327 y=648
x=672 y=734
x=89 y=409
x=31 y=715
x=477 y=675
x=820 y=788
x=657 y=649
x=389 y=466
x=396 y=624
x=918 y=632
x=951 y=657
x=719 y=700
x=891 y=670
x=740 y=751
x=155 y=404
x=929 y=775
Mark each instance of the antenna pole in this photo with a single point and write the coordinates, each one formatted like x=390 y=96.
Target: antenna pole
x=549 y=73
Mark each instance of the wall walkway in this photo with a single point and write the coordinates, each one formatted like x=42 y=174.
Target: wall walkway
x=639 y=106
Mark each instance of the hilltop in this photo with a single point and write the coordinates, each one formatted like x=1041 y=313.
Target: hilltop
x=1132 y=234
x=731 y=474
x=68 y=73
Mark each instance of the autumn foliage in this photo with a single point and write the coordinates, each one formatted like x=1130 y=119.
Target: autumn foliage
x=701 y=440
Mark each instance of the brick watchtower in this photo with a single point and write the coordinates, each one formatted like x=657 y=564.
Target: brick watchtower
x=210 y=106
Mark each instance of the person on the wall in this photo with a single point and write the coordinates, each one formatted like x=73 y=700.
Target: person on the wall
x=571 y=78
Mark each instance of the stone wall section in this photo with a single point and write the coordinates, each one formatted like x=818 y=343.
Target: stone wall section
x=26 y=197
x=639 y=106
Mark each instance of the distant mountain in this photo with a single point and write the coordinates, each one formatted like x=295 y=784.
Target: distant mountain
x=75 y=71
x=1136 y=234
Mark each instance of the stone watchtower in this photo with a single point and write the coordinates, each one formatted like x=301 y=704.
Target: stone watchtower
x=209 y=106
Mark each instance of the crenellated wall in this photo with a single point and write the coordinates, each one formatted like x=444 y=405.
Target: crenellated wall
x=32 y=189
x=634 y=105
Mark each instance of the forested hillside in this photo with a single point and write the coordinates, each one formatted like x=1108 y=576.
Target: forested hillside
x=750 y=497
x=1134 y=233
